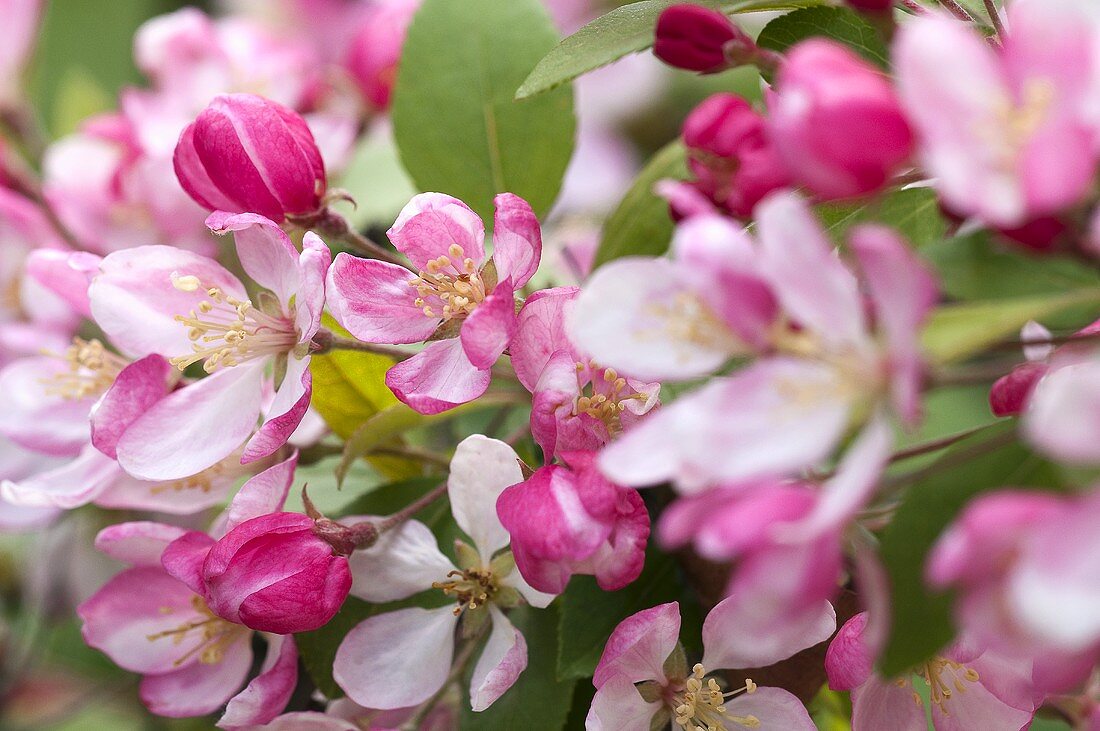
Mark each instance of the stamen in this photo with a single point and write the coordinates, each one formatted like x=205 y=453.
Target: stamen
x=215 y=634
x=604 y=395
x=472 y=589
x=945 y=678
x=700 y=705
x=226 y=331
x=92 y=370
x=451 y=282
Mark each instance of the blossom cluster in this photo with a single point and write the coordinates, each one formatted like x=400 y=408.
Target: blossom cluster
x=194 y=324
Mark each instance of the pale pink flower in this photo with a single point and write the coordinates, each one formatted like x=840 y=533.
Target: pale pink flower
x=458 y=299
x=1007 y=133
x=401 y=658
x=577 y=404
x=566 y=520
x=20 y=31
x=192 y=310
x=1060 y=417
x=153 y=619
x=643 y=682
x=784 y=295
x=969 y=688
x=375 y=50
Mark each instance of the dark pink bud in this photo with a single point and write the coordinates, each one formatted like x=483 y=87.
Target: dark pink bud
x=1040 y=235
x=247 y=154
x=836 y=121
x=871 y=6
x=376 y=50
x=274 y=574
x=730 y=154
x=1009 y=394
x=700 y=39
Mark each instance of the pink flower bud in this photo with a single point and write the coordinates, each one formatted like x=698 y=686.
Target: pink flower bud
x=274 y=574
x=700 y=39
x=871 y=6
x=730 y=154
x=837 y=121
x=376 y=49
x=1009 y=394
x=247 y=154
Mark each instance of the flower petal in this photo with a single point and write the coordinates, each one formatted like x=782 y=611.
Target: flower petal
x=199 y=688
x=140 y=543
x=638 y=647
x=375 y=302
x=481 y=469
x=269 y=692
x=517 y=239
x=402 y=562
x=267 y=255
x=774 y=708
x=540 y=333
x=136 y=388
x=735 y=635
x=37 y=419
x=430 y=223
x=881 y=704
x=71 y=485
x=618 y=706
x=285 y=412
x=438 y=378
x=489 y=328
x=265 y=493
x=500 y=664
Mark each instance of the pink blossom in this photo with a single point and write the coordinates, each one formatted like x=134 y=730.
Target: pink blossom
x=577 y=404
x=466 y=308
x=274 y=574
x=245 y=153
x=1009 y=134
x=836 y=121
x=729 y=153
x=970 y=688
x=784 y=296
x=1060 y=418
x=190 y=309
x=642 y=681
x=696 y=38
x=153 y=619
x=376 y=49
x=401 y=658
x=1023 y=564
x=20 y=32
x=566 y=520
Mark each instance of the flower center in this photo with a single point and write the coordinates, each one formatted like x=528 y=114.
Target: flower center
x=604 y=395
x=945 y=678
x=215 y=634
x=471 y=588
x=92 y=370
x=450 y=286
x=700 y=706
x=1019 y=120
x=687 y=319
x=226 y=331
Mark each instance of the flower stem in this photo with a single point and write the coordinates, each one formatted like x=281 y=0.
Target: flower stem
x=412 y=508
x=957 y=10
x=995 y=18
x=326 y=340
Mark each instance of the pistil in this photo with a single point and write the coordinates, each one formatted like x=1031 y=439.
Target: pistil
x=471 y=588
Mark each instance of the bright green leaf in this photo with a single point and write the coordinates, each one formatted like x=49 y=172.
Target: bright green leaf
x=955 y=332
x=921 y=622
x=456 y=123
x=914 y=213
x=641 y=224
x=623 y=31
x=839 y=24
x=376 y=431
x=538 y=701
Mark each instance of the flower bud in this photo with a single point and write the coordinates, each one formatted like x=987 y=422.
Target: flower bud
x=730 y=154
x=274 y=574
x=871 y=6
x=247 y=154
x=376 y=49
x=700 y=39
x=837 y=121
x=1008 y=395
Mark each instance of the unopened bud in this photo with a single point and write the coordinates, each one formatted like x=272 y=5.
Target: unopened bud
x=700 y=39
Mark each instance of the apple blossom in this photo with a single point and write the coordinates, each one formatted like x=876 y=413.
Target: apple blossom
x=376 y=49
x=401 y=658
x=642 y=682
x=462 y=303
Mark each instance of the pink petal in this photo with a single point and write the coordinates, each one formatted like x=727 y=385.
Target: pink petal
x=636 y=651
x=1063 y=414
x=397 y=659
x=517 y=239
x=266 y=252
x=500 y=664
x=881 y=704
x=36 y=419
x=310 y=721
x=849 y=662
x=134 y=301
x=313 y=264
x=119 y=618
x=437 y=378
x=774 y=708
x=430 y=223
x=285 y=413
x=481 y=469
x=812 y=284
x=269 y=692
x=68 y=486
x=199 y=688
x=193 y=177
x=140 y=385
x=404 y=561
x=65 y=273
x=184 y=496
x=139 y=543
x=489 y=328
x=195 y=427
x=264 y=493
x=374 y=301
x=617 y=706
x=184 y=557
x=540 y=332
x=737 y=635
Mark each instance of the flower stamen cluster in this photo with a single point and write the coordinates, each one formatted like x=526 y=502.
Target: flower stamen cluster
x=472 y=589
x=92 y=370
x=461 y=290
x=700 y=705
x=217 y=634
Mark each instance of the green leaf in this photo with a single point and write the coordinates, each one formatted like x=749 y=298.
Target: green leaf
x=538 y=701
x=976 y=267
x=378 y=430
x=839 y=24
x=921 y=622
x=623 y=31
x=589 y=614
x=914 y=213
x=641 y=224
x=377 y=182
x=456 y=124
x=388 y=499
x=955 y=332
x=318 y=648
